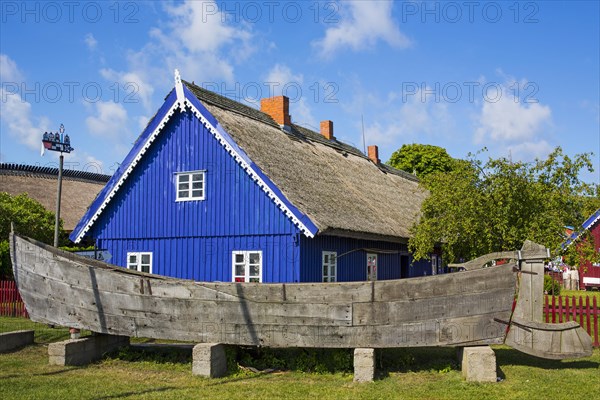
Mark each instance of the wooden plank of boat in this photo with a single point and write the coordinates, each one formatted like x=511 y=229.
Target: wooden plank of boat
x=454 y=309
x=528 y=333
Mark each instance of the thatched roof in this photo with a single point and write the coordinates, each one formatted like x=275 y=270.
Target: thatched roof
x=79 y=188
x=334 y=184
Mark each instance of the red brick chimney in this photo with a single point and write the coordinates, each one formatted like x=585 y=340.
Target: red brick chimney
x=374 y=154
x=278 y=108
x=327 y=129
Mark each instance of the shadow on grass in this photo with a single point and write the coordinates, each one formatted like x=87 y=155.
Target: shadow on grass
x=137 y=393
x=58 y=372
x=160 y=354
x=416 y=359
x=515 y=357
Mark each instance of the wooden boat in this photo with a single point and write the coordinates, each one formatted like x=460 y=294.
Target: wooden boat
x=474 y=307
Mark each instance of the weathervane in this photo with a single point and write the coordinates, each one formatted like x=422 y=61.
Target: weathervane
x=57 y=142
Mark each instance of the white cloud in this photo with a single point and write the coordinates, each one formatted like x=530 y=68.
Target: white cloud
x=509 y=125
x=510 y=120
x=364 y=23
x=110 y=119
x=196 y=39
x=416 y=117
x=9 y=72
x=280 y=77
x=135 y=86
x=530 y=150
x=90 y=41
x=16 y=113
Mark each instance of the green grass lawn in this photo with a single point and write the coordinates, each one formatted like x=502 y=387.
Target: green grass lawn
x=582 y=293
x=423 y=373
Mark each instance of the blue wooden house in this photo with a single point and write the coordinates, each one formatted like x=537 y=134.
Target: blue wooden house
x=214 y=190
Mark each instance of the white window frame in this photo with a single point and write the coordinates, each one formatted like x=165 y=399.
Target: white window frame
x=246 y=263
x=137 y=265
x=190 y=189
x=376 y=258
x=331 y=275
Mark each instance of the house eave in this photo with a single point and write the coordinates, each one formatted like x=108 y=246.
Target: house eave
x=363 y=235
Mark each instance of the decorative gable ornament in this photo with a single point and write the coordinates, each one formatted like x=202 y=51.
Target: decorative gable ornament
x=183 y=100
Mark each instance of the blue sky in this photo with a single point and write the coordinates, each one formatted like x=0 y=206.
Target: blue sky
x=517 y=77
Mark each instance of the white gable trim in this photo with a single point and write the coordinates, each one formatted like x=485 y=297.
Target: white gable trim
x=132 y=165
x=249 y=170
x=215 y=132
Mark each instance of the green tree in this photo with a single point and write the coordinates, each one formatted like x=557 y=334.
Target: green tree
x=421 y=159
x=30 y=218
x=478 y=208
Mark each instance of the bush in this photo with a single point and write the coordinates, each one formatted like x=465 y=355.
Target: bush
x=551 y=286
x=295 y=359
x=30 y=219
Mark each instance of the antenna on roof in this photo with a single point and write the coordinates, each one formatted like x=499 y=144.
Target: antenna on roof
x=362 y=121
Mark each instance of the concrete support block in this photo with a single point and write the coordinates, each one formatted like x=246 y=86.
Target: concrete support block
x=84 y=351
x=478 y=363
x=10 y=341
x=364 y=365
x=209 y=360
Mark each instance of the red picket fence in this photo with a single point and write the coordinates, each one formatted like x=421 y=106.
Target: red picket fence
x=11 y=303
x=567 y=308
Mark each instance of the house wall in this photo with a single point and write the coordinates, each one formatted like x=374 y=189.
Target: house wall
x=194 y=239
x=353 y=266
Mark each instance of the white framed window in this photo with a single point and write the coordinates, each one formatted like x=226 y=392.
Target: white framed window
x=140 y=261
x=371 y=267
x=329 y=266
x=190 y=185
x=247 y=266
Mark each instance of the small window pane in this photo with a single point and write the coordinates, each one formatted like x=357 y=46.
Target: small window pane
x=197 y=177
x=146 y=268
x=254 y=258
x=239 y=258
x=240 y=269
x=132 y=258
x=254 y=280
x=184 y=186
x=145 y=258
x=197 y=185
x=254 y=270
x=184 y=178
x=197 y=193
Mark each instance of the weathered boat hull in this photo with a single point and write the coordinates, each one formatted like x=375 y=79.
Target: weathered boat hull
x=460 y=309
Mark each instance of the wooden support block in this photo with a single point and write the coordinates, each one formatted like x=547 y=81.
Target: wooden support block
x=84 y=351
x=364 y=365
x=209 y=360
x=478 y=363
x=10 y=341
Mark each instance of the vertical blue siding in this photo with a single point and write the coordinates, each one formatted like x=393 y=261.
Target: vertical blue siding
x=353 y=265
x=209 y=258
x=194 y=239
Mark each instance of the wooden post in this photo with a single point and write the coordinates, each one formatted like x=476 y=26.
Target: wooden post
x=587 y=316
x=581 y=310
x=595 y=323
x=560 y=310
